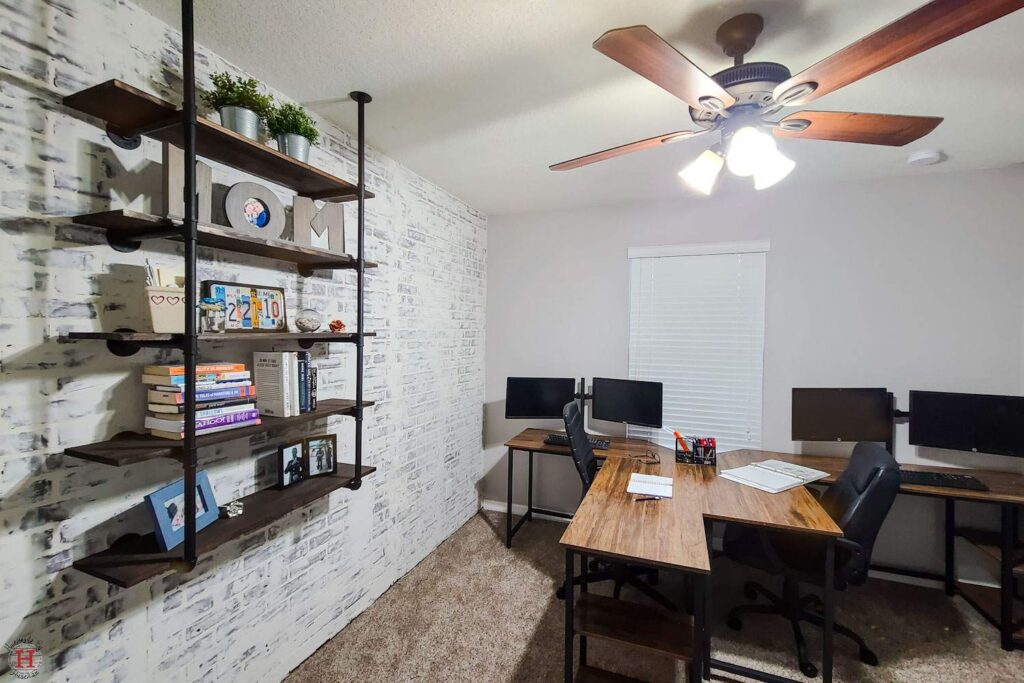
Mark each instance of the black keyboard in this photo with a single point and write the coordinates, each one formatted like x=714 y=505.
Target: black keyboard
x=563 y=440
x=944 y=479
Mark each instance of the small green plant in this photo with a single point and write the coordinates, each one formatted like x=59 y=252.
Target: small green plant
x=291 y=118
x=237 y=92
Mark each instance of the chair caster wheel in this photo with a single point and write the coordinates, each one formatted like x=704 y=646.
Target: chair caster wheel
x=749 y=591
x=809 y=670
x=868 y=657
x=734 y=623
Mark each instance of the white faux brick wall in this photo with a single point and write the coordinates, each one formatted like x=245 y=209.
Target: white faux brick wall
x=257 y=607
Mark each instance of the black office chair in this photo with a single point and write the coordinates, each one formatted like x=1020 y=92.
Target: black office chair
x=601 y=570
x=859 y=500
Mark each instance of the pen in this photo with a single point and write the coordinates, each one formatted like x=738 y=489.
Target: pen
x=640 y=500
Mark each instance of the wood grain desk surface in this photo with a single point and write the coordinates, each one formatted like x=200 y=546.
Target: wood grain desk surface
x=670 y=532
x=533 y=440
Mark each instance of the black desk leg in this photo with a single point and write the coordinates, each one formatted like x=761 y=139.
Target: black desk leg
x=826 y=645
x=1008 y=533
x=529 y=492
x=950 y=573
x=700 y=626
x=569 y=597
x=705 y=636
x=508 y=510
x=584 y=578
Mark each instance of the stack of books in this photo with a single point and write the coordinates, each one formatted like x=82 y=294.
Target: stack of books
x=287 y=382
x=225 y=399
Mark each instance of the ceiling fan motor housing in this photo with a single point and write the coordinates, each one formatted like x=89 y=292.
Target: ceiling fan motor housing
x=751 y=84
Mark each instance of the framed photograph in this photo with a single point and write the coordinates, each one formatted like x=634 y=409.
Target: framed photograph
x=249 y=308
x=322 y=455
x=291 y=466
x=167 y=507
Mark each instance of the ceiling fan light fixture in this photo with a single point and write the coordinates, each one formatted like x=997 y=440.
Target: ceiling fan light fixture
x=701 y=173
x=772 y=169
x=748 y=148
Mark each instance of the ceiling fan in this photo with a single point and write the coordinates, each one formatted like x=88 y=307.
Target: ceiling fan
x=741 y=102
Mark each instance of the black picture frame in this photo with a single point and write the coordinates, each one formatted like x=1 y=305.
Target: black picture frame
x=321 y=455
x=291 y=464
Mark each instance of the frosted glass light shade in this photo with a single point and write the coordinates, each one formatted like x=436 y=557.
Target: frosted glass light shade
x=772 y=169
x=701 y=173
x=747 y=149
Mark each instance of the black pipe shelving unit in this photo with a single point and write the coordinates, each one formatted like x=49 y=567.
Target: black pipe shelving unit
x=129 y=114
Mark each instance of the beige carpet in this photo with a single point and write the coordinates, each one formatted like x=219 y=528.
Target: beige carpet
x=476 y=611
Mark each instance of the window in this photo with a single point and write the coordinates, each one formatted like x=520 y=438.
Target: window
x=696 y=324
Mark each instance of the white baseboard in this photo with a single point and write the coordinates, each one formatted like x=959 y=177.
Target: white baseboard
x=517 y=509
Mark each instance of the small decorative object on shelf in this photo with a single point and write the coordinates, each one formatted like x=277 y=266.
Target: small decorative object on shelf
x=249 y=308
x=233 y=509
x=167 y=507
x=321 y=455
x=294 y=130
x=214 y=314
x=239 y=102
x=166 y=309
x=337 y=326
x=308 y=320
x=290 y=466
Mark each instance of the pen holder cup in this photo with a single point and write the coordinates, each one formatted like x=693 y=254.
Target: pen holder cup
x=166 y=309
x=698 y=454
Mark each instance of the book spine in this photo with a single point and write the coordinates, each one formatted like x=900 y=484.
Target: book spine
x=201 y=396
x=303 y=381
x=228 y=419
x=203 y=386
x=201 y=368
x=293 y=360
x=312 y=387
x=269 y=370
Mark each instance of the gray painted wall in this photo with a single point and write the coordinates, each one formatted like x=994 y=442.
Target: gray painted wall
x=257 y=607
x=908 y=283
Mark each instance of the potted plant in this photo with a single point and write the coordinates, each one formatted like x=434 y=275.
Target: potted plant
x=294 y=130
x=239 y=102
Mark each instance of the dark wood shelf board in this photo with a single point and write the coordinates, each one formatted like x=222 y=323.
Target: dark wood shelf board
x=128 y=225
x=986 y=600
x=129 y=111
x=640 y=626
x=130 y=448
x=134 y=559
x=162 y=339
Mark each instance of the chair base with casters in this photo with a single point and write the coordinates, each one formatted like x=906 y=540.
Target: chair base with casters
x=796 y=608
x=622 y=575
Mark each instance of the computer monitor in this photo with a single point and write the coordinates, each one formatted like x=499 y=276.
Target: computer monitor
x=842 y=415
x=967 y=422
x=624 y=400
x=536 y=398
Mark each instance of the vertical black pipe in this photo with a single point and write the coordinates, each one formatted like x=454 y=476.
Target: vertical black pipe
x=362 y=99
x=949 y=572
x=188 y=113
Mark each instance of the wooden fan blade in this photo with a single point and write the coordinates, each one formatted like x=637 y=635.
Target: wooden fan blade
x=642 y=50
x=666 y=139
x=869 y=129
x=924 y=28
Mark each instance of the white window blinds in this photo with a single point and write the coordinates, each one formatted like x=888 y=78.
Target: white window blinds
x=696 y=324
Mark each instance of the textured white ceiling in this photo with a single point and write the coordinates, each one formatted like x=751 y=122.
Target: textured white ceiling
x=480 y=96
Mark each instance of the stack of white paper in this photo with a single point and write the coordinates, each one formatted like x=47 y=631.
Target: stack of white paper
x=773 y=476
x=650 y=485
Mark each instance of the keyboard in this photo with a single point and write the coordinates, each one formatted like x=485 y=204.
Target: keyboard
x=563 y=440
x=943 y=479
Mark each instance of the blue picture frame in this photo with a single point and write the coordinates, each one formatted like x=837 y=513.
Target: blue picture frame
x=167 y=509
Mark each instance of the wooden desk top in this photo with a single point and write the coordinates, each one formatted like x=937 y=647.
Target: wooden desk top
x=533 y=440
x=1004 y=487
x=670 y=532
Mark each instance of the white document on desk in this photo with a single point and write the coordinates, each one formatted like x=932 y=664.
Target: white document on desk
x=650 y=485
x=773 y=476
